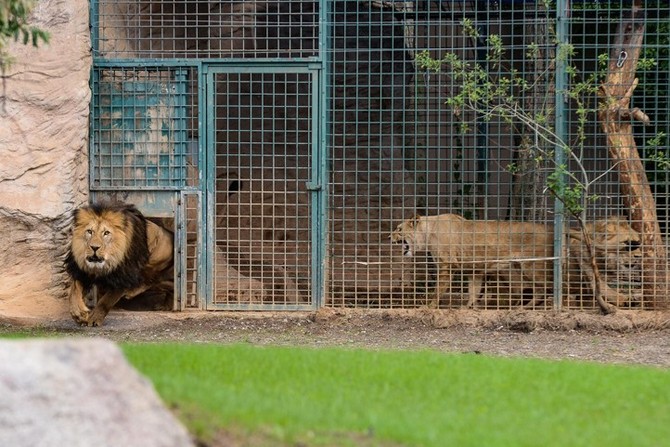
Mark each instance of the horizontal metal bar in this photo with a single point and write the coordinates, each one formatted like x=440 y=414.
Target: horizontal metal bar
x=267 y=307
x=263 y=68
x=142 y=189
x=142 y=62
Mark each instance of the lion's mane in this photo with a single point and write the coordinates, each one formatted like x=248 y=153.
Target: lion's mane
x=127 y=271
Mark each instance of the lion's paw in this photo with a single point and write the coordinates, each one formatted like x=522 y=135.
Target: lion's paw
x=96 y=318
x=80 y=316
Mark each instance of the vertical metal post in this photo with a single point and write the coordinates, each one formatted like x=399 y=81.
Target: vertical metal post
x=94 y=25
x=179 y=291
x=205 y=269
x=179 y=174
x=320 y=256
x=317 y=186
x=561 y=118
x=208 y=90
x=482 y=127
x=93 y=124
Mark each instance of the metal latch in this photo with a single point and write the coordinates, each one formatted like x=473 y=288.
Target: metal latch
x=313 y=186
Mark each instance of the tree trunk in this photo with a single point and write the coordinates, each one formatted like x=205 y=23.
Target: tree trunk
x=616 y=119
x=527 y=200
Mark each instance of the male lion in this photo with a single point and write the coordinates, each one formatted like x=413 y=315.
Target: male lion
x=116 y=252
x=521 y=254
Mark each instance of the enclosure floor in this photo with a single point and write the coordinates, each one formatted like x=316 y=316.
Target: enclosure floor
x=627 y=337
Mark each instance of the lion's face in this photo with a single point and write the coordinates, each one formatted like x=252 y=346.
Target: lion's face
x=618 y=247
x=406 y=234
x=99 y=241
x=614 y=235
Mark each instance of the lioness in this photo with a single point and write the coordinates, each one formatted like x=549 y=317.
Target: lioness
x=520 y=253
x=618 y=257
x=116 y=252
x=476 y=248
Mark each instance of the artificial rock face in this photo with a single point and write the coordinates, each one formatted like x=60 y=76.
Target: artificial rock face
x=43 y=157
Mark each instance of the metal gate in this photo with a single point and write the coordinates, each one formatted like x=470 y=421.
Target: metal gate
x=264 y=187
x=209 y=117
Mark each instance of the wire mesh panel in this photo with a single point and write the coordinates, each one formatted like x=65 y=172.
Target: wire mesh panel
x=189 y=236
x=617 y=45
x=470 y=111
x=140 y=129
x=206 y=29
x=264 y=142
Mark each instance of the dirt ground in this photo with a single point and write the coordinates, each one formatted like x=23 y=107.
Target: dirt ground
x=627 y=337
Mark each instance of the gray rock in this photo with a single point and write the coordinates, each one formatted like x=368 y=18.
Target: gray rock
x=79 y=393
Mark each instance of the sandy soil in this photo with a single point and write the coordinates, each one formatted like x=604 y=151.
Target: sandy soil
x=627 y=337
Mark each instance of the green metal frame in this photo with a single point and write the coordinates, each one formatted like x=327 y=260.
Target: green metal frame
x=560 y=116
x=163 y=202
x=171 y=177
x=317 y=185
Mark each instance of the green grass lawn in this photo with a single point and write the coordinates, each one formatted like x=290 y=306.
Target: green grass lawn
x=412 y=398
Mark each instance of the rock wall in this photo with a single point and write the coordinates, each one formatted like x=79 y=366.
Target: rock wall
x=80 y=392
x=43 y=157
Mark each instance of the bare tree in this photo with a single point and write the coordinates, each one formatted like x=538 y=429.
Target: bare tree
x=616 y=119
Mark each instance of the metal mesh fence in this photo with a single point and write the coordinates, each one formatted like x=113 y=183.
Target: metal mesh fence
x=262 y=222
x=515 y=121
x=141 y=129
x=472 y=111
x=189 y=253
x=130 y=29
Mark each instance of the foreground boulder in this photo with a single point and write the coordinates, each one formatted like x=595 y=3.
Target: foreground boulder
x=79 y=393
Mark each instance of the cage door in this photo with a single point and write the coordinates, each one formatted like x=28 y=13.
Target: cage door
x=262 y=187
